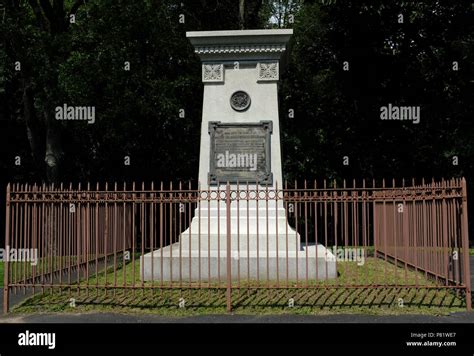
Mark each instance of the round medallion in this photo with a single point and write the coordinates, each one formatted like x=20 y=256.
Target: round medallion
x=240 y=101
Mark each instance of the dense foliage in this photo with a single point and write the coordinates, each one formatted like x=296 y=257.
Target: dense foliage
x=139 y=112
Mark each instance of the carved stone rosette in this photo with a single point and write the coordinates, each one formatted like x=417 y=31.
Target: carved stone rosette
x=267 y=71
x=212 y=72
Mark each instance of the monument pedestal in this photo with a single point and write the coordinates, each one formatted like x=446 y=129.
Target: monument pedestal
x=263 y=246
x=313 y=262
x=240 y=142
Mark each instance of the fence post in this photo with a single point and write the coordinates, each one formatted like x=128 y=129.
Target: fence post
x=6 y=292
x=229 y=265
x=465 y=242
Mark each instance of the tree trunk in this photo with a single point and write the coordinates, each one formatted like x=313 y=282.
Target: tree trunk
x=34 y=130
x=53 y=152
x=242 y=14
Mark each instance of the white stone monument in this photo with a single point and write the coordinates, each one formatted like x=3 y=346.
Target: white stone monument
x=240 y=144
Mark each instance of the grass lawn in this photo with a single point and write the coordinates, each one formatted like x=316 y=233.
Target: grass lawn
x=320 y=298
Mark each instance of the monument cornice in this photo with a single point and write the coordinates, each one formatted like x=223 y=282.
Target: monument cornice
x=240 y=44
x=236 y=49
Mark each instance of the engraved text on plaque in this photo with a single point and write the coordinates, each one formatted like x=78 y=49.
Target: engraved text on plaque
x=240 y=152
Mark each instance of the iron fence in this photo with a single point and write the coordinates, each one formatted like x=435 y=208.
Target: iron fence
x=237 y=237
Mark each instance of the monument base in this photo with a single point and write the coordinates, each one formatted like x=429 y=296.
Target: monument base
x=173 y=263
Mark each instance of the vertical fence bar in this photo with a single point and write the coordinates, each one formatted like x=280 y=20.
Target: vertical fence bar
x=415 y=237
x=219 y=236
x=355 y=220
x=106 y=234
x=435 y=224
x=133 y=231
x=18 y=217
x=152 y=234
x=276 y=236
x=142 y=237
x=69 y=239
x=297 y=242
x=77 y=215
x=237 y=197
x=266 y=234
x=315 y=192
x=6 y=275
x=188 y=220
x=344 y=222
x=229 y=265
x=162 y=218
x=114 y=234
x=465 y=243
x=199 y=196
x=209 y=235
x=97 y=205
x=306 y=231
x=34 y=237
x=178 y=230
x=364 y=229
x=384 y=212
x=62 y=234
x=334 y=207
x=23 y=240
x=87 y=235
x=124 y=242
x=406 y=228
x=26 y=245
x=325 y=196
x=456 y=262
x=445 y=234
x=258 y=235
x=375 y=226
x=425 y=232
x=170 y=223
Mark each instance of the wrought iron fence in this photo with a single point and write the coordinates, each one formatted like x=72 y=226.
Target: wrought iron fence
x=237 y=237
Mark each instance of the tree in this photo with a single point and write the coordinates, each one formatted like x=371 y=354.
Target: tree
x=140 y=113
x=337 y=110
x=350 y=59
x=242 y=14
x=279 y=13
x=49 y=26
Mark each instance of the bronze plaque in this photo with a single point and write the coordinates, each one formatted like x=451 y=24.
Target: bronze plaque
x=240 y=152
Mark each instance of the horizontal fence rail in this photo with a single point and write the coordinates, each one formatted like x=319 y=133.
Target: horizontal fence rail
x=237 y=237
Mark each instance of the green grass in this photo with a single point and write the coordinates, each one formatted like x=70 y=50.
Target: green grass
x=1 y=274
x=373 y=271
x=323 y=297
x=260 y=302
x=25 y=270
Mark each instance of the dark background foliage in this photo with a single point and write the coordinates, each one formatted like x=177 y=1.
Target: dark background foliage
x=336 y=112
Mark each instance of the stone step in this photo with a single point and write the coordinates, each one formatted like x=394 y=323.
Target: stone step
x=171 y=264
x=242 y=211
x=242 y=242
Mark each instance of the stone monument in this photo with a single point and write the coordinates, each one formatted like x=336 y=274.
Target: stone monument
x=240 y=144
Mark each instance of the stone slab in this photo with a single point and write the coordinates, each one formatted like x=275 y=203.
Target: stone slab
x=172 y=263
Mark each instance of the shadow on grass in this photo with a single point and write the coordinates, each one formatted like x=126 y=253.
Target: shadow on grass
x=319 y=296
x=205 y=301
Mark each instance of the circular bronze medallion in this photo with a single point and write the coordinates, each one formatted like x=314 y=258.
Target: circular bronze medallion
x=240 y=101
